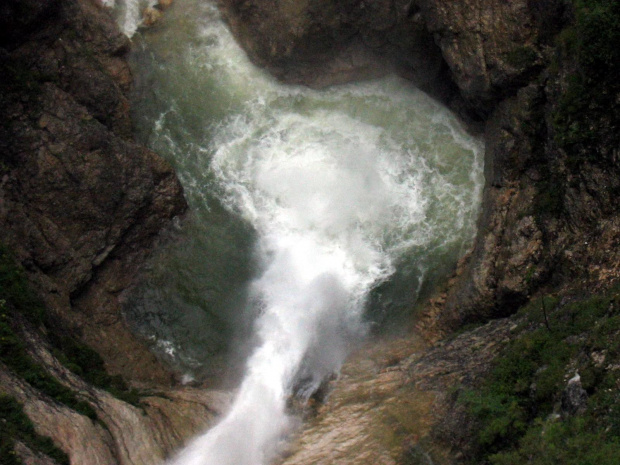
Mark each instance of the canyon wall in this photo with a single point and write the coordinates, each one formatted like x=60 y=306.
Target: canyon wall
x=81 y=207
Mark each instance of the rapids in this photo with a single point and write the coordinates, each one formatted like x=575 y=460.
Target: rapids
x=311 y=210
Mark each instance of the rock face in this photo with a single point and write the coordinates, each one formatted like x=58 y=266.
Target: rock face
x=81 y=206
x=80 y=203
x=548 y=219
x=492 y=48
x=574 y=397
x=124 y=434
x=323 y=42
x=393 y=396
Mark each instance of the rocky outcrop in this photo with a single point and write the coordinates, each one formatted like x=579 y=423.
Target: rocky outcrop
x=492 y=48
x=81 y=206
x=80 y=202
x=145 y=433
x=322 y=42
x=393 y=397
x=549 y=220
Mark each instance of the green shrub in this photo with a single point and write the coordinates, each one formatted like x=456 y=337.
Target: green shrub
x=514 y=408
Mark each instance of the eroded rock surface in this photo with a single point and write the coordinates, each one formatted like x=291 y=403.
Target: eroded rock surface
x=394 y=398
x=81 y=206
x=146 y=433
x=323 y=42
x=80 y=202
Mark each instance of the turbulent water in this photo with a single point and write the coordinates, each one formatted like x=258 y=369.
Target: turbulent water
x=310 y=210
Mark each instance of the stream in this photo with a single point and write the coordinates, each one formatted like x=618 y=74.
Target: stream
x=316 y=217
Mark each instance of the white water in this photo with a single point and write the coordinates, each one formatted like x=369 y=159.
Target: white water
x=129 y=13
x=341 y=186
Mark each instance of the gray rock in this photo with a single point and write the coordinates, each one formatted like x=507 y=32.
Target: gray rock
x=574 y=398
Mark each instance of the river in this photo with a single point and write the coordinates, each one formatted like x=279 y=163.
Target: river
x=316 y=216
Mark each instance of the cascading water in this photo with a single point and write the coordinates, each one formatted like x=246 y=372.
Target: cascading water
x=340 y=187
x=129 y=13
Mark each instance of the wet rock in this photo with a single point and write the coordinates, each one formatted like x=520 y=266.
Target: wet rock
x=323 y=42
x=491 y=47
x=394 y=402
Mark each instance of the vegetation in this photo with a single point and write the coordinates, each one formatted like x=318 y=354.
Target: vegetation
x=517 y=410
x=588 y=114
x=16 y=425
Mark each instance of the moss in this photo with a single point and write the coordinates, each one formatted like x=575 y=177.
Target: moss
x=514 y=408
x=17 y=426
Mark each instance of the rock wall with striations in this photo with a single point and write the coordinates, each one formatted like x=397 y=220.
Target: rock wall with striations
x=81 y=206
x=80 y=203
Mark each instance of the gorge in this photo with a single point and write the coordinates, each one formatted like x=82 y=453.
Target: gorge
x=506 y=69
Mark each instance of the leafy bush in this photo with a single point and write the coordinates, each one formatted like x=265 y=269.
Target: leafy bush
x=516 y=408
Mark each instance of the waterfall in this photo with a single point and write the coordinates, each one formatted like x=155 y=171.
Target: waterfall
x=342 y=187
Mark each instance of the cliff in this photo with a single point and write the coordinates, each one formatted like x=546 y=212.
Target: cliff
x=81 y=206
